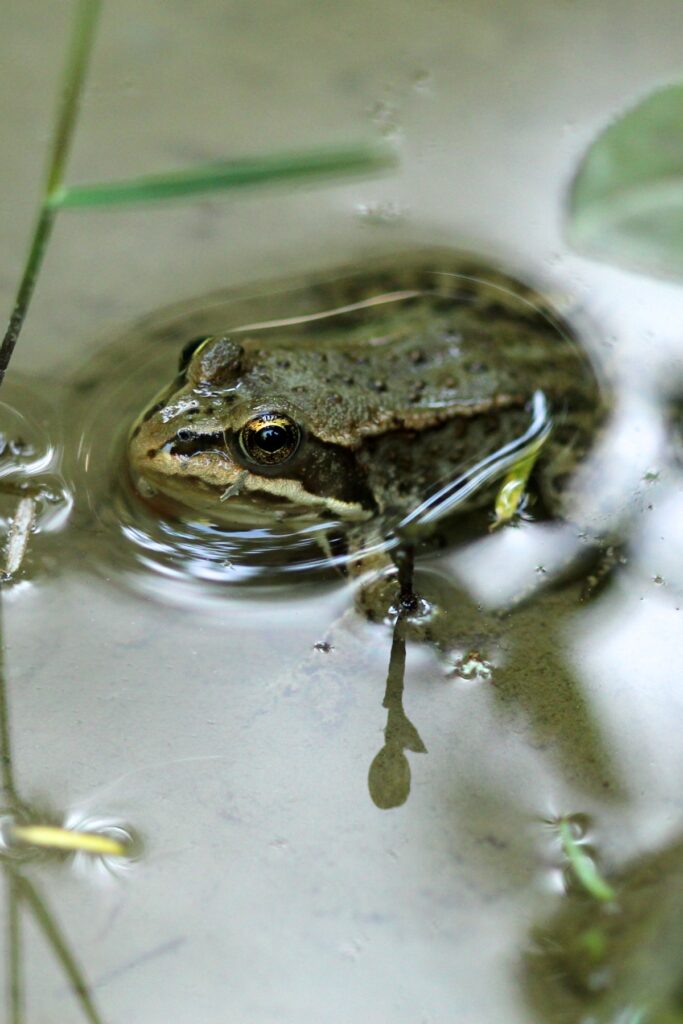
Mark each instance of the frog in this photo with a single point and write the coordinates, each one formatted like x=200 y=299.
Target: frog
x=400 y=376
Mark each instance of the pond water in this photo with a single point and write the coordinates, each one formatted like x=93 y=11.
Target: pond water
x=319 y=832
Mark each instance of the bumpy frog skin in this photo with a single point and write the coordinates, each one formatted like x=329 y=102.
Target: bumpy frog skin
x=402 y=376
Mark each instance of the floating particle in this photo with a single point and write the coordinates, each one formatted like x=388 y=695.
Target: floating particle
x=381 y=213
x=384 y=114
x=473 y=667
x=423 y=81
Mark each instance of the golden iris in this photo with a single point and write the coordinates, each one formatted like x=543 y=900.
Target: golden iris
x=270 y=439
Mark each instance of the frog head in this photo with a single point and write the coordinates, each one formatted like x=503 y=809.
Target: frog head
x=226 y=438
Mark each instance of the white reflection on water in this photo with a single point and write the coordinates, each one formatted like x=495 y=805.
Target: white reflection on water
x=511 y=565
x=630 y=656
x=102 y=866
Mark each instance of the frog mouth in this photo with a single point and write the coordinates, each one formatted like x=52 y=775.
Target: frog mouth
x=260 y=509
x=244 y=509
x=244 y=502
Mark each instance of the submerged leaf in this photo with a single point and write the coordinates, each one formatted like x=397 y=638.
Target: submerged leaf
x=594 y=961
x=226 y=175
x=626 y=200
x=583 y=866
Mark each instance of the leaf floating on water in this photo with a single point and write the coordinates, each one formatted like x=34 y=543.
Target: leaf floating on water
x=227 y=175
x=511 y=493
x=626 y=200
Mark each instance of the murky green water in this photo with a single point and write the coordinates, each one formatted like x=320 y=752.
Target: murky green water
x=247 y=741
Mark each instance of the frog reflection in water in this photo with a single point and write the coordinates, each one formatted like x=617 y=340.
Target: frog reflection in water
x=410 y=375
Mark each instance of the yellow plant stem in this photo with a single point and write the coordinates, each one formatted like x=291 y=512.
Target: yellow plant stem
x=53 y=837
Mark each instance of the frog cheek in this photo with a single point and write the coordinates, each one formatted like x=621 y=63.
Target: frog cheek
x=194 y=458
x=203 y=470
x=143 y=448
x=320 y=477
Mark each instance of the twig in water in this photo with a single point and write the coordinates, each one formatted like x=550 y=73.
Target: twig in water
x=19 y=533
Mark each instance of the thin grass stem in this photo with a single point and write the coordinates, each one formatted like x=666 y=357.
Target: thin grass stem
x=15 y=980
x=9 y=792
x=85 y=22
x=27 y=284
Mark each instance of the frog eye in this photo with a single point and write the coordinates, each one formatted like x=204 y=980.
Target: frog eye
x=270 y=439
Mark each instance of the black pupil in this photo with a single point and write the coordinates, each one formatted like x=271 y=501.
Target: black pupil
x=272 y=438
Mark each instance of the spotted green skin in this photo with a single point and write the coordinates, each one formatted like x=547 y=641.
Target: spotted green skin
x=400 y=374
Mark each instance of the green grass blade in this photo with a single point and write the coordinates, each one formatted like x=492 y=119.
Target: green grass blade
x=228 y=175
x=583 y=866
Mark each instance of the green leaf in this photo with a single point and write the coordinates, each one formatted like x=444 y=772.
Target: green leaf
x=626 y=200
x=224 y=176
x=583 y=866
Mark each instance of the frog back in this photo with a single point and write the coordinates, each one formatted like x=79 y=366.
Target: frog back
x=411 y=343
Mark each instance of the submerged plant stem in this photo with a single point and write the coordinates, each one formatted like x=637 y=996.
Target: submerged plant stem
x=6 y=772
x=15 y=993
x=85 y=22
x=54 y=935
